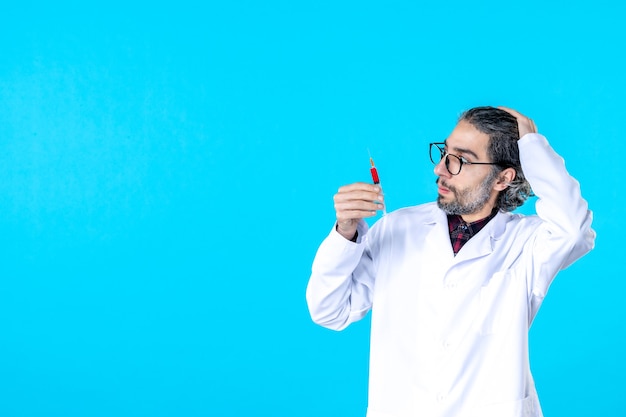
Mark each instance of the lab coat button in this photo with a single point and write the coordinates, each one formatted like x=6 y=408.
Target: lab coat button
x=441 y=398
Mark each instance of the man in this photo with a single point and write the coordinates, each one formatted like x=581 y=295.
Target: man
x=454 y=286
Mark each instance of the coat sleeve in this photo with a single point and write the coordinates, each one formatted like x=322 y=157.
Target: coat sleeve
x=565 y=233
x=340 y=288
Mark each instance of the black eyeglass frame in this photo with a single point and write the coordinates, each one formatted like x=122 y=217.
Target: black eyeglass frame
x=445 y=154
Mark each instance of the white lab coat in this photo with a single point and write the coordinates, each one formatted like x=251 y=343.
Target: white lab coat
x=449 y=335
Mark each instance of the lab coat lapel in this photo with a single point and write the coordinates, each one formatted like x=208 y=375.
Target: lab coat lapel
x=438 y=239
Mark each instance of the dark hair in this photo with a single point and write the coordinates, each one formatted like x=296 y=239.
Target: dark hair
x=501 y=127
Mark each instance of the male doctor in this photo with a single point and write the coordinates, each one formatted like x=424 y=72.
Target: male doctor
x=455 y=285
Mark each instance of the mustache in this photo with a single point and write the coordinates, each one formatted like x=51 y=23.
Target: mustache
x=444 y=184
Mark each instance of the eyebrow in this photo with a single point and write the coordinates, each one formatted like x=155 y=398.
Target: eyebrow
x=464 y=151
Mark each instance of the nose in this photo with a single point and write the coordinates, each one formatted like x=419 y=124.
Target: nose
x=441 y=170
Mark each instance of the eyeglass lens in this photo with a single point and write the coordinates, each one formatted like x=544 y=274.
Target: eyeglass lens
x=453 y=163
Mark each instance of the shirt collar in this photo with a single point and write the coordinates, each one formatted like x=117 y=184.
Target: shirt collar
x=455 y=222
x=461 y=232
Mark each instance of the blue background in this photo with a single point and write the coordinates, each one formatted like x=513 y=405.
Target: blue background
x=168 y=170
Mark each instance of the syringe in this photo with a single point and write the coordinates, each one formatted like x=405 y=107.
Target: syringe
x=375 y=179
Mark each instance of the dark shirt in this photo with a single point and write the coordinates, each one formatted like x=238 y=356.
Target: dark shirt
x=461 y=232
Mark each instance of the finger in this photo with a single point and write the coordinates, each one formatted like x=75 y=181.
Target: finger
x=355 y=214
x=357 y=196
x=524 y=123
x=519 y=116
x=357 y=205
x=362 y=186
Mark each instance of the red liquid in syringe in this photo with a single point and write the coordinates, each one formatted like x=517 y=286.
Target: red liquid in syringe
x=376 y=180
x=374 y=172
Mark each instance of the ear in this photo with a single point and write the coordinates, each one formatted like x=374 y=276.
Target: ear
x=504 y=179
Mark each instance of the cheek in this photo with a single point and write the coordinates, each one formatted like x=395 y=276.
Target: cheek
x=467 y=192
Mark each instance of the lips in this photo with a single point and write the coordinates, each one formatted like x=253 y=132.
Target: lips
x=441 y=187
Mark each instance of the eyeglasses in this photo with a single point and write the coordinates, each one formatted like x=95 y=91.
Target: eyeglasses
x=454 y=163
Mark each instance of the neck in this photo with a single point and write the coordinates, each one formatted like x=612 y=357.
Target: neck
x=479 y=215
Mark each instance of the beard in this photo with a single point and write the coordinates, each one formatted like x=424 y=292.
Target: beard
x=467 y=200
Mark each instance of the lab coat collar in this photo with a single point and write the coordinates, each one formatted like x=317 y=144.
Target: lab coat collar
x=480 y=245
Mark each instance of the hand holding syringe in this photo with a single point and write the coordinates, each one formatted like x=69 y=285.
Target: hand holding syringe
x=357 y=201
x=375 y=178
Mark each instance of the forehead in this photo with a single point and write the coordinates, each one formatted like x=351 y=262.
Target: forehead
x=466 y=139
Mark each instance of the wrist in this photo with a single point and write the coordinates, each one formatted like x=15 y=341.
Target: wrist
x=350 y=233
